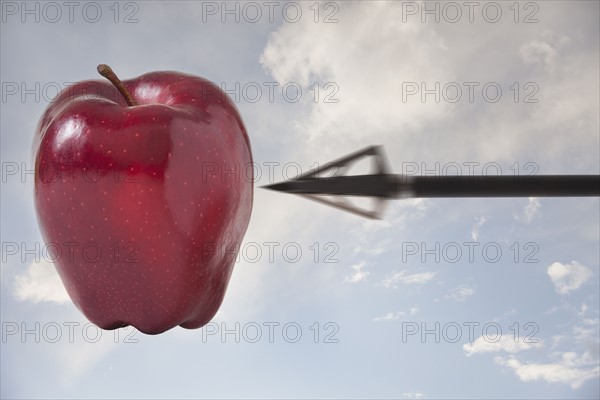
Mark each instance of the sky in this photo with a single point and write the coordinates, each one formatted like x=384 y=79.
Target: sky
x=441 y=298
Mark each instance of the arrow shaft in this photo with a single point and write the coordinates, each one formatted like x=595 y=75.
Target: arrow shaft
x=394 y=186
x=382 y=185
x=499 y=186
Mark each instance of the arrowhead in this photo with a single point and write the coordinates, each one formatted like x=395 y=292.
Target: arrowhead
x=280 y=187
x=336 y=184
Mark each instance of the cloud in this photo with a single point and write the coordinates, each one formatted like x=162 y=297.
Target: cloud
x=413 y=395
x=358 y=274
x=538 y=52
x=40 y=283
x=543 y=51
x=583 y=310
x=568 y=277
x=409 y=279
x=460 y=293
x=372 y=59
x=475 y=229
x=571 y=369
x=391 y=316
x=363 y=73
x=506 y=344
x=371 y=226
x=529 y=211
x=565 y=367
x=375 y=249
x=409 y=209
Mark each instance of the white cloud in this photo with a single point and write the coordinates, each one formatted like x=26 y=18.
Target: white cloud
x=557 y=340
x=391 y=316
x=583 y=310
x=374 y=250
x=358 y=274
x=40 y=283
x=552 y=310
x=305 y=52
x=529 y=211
x=543 y=51
x=571 y=369
x=370 y=57
x=538 y=52
x=506 y=343
x=373 y=225
x=460 y=293
x=413 y=209
x=475 y=229
x=564 y=367
x=568 y=277
x=413 y=395
x=409 y=279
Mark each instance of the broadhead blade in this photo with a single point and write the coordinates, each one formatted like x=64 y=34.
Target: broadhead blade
x=331 y=181
x=281 y=186
x=377 y=185
x=299 y=187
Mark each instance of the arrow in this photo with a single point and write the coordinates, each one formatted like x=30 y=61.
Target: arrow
x=383 y=186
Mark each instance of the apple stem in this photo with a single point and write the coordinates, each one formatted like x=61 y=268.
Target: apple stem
x=109 y=74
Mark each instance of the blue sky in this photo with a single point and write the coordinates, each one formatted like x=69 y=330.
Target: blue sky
x=340 y=321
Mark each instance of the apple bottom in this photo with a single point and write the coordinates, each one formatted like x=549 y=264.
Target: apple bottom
x=153 y=268
x=154 y=301
x=149 y=266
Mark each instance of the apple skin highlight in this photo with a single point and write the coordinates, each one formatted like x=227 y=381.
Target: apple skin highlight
x=144 y=207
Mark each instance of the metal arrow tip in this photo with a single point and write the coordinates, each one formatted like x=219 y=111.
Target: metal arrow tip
x=280 y=187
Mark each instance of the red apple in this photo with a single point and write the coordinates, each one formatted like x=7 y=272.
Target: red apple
x=143 y=196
